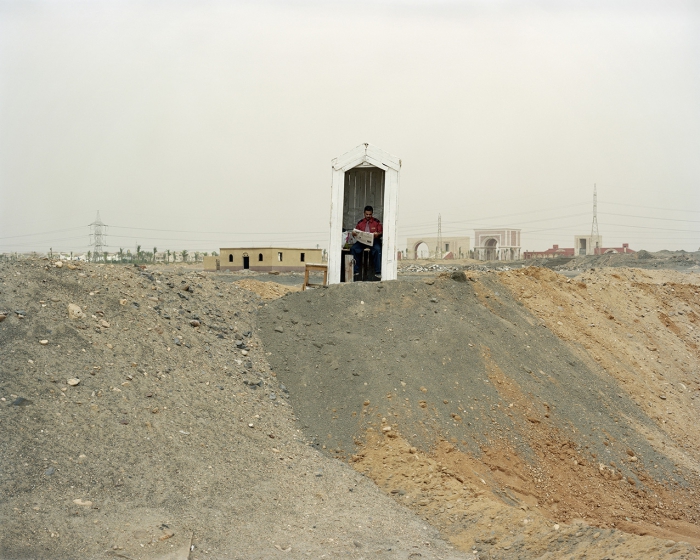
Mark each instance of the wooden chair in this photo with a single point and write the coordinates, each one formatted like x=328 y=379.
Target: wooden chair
x=315 y=267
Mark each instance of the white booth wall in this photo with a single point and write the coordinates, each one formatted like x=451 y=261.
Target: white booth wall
x=364 y=176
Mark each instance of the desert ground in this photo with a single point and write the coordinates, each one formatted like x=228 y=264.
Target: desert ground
x=467 y=410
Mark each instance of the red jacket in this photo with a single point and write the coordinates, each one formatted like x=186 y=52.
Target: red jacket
x=375 y=226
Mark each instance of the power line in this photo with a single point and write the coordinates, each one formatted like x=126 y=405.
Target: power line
x=215 y=232
x=652 y=207
x=651 y=218
x=42 y=233
x=481 y=219
x=35 y=243
x=657 y=229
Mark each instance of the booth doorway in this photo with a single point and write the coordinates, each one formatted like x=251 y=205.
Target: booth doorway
x=364 y=186
x=246 y=262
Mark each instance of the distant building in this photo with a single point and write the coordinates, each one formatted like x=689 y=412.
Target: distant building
x=452 y=247
x=268 y=259
x=624 y=249
x=557 y=251
x=497 y=244
x=588 y=245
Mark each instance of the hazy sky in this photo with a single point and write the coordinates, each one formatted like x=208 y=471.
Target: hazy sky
x=221 y=119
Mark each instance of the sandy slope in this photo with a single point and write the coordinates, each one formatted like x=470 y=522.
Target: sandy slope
x=523 y=389
x=520 y=414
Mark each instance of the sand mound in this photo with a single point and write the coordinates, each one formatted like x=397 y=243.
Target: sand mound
x=527 y=377
x=266 y=290
x=496 y=407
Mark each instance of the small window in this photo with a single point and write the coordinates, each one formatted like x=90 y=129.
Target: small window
x=447 y=246
x=303 y=255
x=230 y=258
x=260 y=257
x=279 y=256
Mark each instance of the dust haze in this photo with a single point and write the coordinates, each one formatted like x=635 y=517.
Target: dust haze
x=222 y=118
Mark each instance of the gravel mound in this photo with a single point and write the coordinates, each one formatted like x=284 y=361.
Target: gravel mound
x=475 y=373
x=147 y=423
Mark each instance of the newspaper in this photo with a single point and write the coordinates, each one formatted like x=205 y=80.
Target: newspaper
x=364 y=237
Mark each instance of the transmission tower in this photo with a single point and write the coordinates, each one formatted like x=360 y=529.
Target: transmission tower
x=595 y=234
x=98 y=237
x=438 y=249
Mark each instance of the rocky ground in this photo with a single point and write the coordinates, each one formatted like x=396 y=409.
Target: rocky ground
x=149 y=423
x=681 y=261
x=541 y=399
x=169 y=413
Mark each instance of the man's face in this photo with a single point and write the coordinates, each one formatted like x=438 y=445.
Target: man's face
x=368 y=214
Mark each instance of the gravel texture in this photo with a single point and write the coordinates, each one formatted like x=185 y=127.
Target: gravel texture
x=177 y=435
x=166 y=413
x=517 y=400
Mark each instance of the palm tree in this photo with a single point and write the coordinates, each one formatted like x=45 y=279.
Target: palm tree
x=138 y=253
x=155 y=250
x=168 y=253
x=121 y=255
x=89 y=255
x=184 y=254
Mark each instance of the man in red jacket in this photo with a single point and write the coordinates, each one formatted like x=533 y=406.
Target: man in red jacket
x=374 y=226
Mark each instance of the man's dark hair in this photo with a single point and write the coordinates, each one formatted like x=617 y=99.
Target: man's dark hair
x=369 y=208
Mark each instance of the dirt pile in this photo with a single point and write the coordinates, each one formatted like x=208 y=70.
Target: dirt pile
x=146 y=420
x=661 y=260
x=547 y=397
x=266 y=290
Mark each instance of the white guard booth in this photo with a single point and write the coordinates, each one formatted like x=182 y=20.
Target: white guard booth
x=364 y=176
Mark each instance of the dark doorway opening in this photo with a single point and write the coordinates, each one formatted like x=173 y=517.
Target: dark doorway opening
x=246 y=262
x=491 y=249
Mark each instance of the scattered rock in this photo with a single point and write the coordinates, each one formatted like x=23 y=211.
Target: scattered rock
x=74 y=311
x=73 y=381
x=43 y=342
